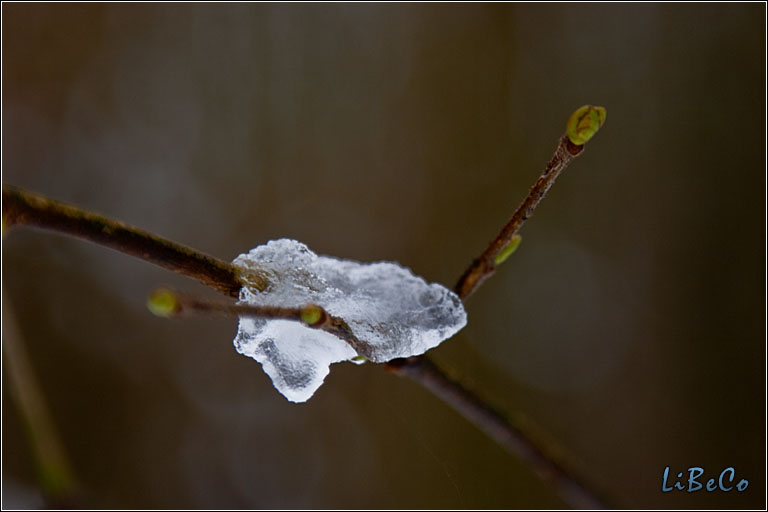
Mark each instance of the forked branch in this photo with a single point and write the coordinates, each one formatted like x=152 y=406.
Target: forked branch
x=581 y=127
x=27 y=208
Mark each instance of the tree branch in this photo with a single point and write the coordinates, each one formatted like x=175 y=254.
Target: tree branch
x=27 y=208
x=581 y=127
x=23 y=207
x=497 y=427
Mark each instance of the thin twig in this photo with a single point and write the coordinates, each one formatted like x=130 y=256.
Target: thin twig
x=27 y=208
x=311 y=315
x=485 y=265
x=497 y=427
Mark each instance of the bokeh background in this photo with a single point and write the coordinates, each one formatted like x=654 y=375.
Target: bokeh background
x=627 y=331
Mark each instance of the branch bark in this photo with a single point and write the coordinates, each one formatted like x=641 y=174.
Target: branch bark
x=30 y=209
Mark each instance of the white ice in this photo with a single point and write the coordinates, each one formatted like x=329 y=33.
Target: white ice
x=391 y=311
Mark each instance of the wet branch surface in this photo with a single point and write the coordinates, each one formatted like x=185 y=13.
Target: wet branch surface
x=21 y=207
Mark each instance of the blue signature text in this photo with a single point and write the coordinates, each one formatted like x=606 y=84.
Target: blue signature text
x=694 y=481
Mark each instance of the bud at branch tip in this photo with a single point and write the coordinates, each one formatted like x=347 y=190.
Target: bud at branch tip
x=584 y=123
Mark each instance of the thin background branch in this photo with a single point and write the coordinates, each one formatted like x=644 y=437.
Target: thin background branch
x=54 y=470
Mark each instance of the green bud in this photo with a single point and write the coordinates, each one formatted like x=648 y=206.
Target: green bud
x=508 y=250
x=162 y=302
x=359 y=359
x=312 y=314
x=584 y=123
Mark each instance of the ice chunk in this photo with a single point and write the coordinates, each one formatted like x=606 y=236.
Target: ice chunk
x=392 y=312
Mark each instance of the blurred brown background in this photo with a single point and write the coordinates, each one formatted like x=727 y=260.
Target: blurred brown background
x=628 y=328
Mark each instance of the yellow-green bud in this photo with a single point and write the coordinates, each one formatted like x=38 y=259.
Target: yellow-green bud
x=162 y=302
x=311 y=314
x=508 y=249
x=584 y=123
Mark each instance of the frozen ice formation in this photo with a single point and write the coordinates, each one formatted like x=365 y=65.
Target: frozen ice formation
x=392 y=312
